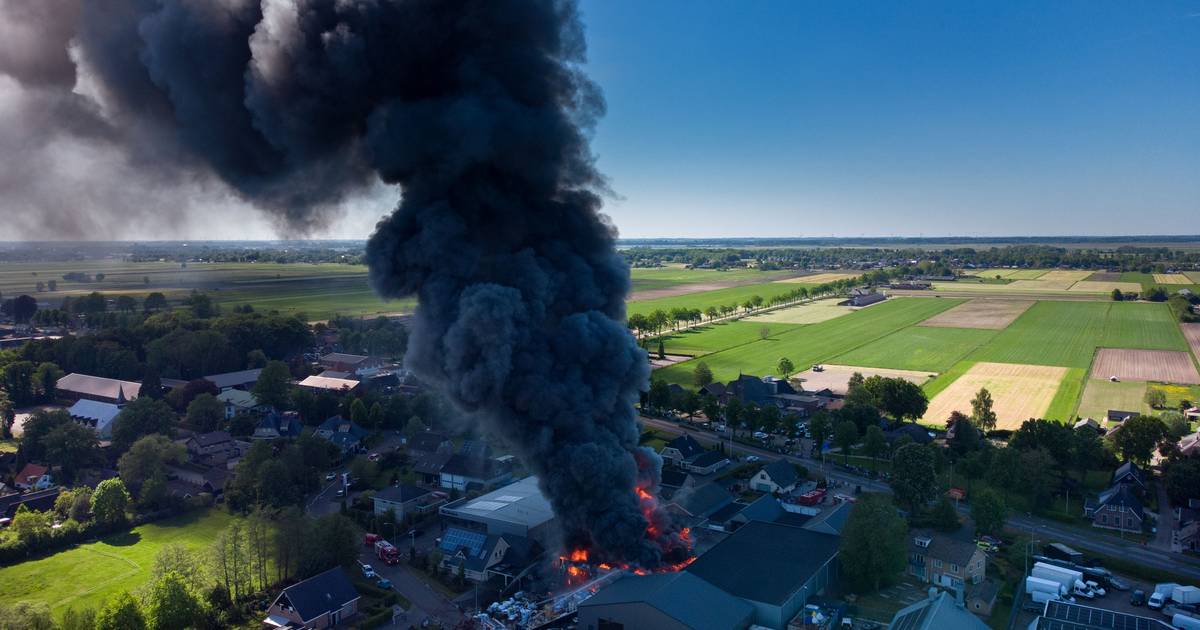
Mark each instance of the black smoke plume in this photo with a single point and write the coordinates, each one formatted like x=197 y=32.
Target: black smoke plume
x=479 y=111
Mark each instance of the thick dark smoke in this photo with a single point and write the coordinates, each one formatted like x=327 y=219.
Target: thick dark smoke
x=478 y=110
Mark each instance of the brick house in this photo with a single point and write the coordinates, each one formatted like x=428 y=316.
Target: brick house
x=946 y=561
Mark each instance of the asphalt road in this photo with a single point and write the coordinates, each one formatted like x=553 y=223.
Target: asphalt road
x=1041 y=529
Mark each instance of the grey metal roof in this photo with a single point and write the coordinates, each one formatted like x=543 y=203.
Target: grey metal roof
x=682 y=596
x=520 y=502
x=937 y=613
x=831 y=521
x=765 y=562
x=99 y=386
x=766 y=508
x=233 y=379
x=321 y=593
x=703 y=500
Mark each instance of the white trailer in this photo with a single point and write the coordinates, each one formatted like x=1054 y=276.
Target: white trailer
x=1066 y=577
x=1186 y=595
x=1038 y=585
x=1186 y=622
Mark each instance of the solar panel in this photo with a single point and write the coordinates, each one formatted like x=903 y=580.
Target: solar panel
x=508 y=498
x=456 y=539
x=912 y=620
x=487 y=505
x=1067 y=616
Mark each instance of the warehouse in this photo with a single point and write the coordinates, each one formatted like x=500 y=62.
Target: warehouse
x=518 y=508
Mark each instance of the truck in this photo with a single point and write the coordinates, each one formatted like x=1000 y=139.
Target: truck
x=1186 y=595
x=1070 y=580
x=387 y=552
x=371 y=539
x=1040 y=585
x=1059 y=551
x=1186 y=622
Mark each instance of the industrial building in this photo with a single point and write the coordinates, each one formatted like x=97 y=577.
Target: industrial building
x=519 y=508
x=668 y=601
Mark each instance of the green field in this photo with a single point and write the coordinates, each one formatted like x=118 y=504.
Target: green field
x=1068 y=333
x=1147 y=281
x=917 y=348
x=816 y=343
x=718 y=297
x=86 y=575
x=1100 y=395
x=715 y=337
x=1063 y=406
x=671 y=276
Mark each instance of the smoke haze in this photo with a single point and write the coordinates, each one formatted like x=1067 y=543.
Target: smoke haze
x=477 y=110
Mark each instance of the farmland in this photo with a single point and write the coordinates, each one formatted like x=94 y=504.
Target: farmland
x=1020 y=392
x=918 y=348
x=981 y=313
x=1145 y=365
x=86 y=575
x=808 y=313
x=719 y=336
x=718 y=297
x=1100 y=395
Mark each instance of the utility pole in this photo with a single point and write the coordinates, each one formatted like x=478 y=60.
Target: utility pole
x=1027 y=545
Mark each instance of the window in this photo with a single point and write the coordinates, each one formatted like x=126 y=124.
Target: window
x=937 y=563
x=953 y=568
x=1104 y=519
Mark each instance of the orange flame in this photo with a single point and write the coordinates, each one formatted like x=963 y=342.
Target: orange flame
x=644 y=495
x=579 y=555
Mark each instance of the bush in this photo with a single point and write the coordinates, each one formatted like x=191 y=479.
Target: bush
x=378 y=620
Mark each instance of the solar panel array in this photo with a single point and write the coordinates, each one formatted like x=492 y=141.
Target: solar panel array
x=911 y=620
x=456 y=539
x=1067 y=616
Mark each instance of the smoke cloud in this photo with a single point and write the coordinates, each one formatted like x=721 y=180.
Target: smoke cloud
x=476 y=109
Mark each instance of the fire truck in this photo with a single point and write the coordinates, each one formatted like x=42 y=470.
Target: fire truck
x=387 y=552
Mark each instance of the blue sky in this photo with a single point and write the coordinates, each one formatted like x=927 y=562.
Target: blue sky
x=758 y=118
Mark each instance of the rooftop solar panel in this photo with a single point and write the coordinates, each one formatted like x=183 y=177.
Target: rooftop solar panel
x=456 y=539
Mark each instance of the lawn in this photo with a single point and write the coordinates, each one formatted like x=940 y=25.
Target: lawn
x=719 y=336
x=86 y=575
x=716 y=297
x=1068 y=333
x=815 y=343
x=918 y=348
x=807 y=313
x=1100 y=395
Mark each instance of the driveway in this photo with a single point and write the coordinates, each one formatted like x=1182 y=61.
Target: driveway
x=426 y=601
x=1166 y=520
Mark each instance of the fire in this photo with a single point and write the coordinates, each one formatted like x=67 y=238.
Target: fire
x=644 y=495
x=579 y=555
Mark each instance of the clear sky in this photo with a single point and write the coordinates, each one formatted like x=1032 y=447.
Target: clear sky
x=792 y=118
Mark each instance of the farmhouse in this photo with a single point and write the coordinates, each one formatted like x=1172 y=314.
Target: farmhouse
x=672 y=601
x=77 y=386
x=33 y=477
x=97 y=416
x=864 y=297
x=324 y=600
x=1116 y=508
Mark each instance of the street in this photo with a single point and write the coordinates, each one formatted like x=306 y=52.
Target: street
x=1042 y=529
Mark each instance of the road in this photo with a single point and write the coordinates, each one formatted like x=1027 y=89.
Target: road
x=1041 y=529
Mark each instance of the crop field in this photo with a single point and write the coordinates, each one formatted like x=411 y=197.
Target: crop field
x=810 y=313
x=1026 y=274
x=814 y=343
x=994 y=273
x=719 y=336
x=1194 y=276
x=718 y=297
x=1164 y=366
x=1064 y=275
x=1191 y=332
x=1019 y=392
x=981 y=313
x=1177 y=394
x=86 y=575
x=1100 y=395
x=1171 y=278
x=665 y=282
x=1105 y=276
x=1105 y=286
x=837 y=377
x=1068 y=333
x=823 y=278
x=918 y=348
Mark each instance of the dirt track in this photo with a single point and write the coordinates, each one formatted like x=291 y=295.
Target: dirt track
x=1164 y=366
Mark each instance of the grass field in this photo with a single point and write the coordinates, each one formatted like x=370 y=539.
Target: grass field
x=718 y=297
x=645 y=278
x=715 y=337
x=1019 y=392
x=1062 y=407
x=918 y=348
x=815 y=343
x=1100 y=395
x=811 y=313
x=86 y=575
x=1012 y=274
x=1068 y=333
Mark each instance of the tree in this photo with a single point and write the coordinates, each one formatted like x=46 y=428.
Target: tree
x=785 y=368
x=845 y=434
x=27 y=616
x=120 y=612
x=874 y=445
x=273 y=387
x=662 y=351
x=77 y=619
x=126 y=304
x=109 y=501
x=874 y=541
x=358 y=412
x=205 y=413
x=1087 y=451
x=147 y=456
x=71 y=446
x=944 y=516
x=171 y=604
x=30 y=526
x=764 y=332
x=1181 y=477
x=981 y=410
x=17 y=379
x=7 y=415
x=45 y=380
x=152 y=386
x=660 y=395
x=142 y=417
x=820 y=428
x=1138 y=437
x=989 y=512
x=1156 y=398
x=23 y=308
x=914 y=478
x=1117 y=296
x=81 y=504
x=1036 y=476
x=414 y=427
x=701 y=375
x=154 y=302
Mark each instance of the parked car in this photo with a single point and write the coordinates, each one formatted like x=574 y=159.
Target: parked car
x=368 y=571
x=341 y=493
x=330 y=476
x=383 y=583
x=759 y=435
x=1138 y=598
x=1117 y=584
x=752 y=458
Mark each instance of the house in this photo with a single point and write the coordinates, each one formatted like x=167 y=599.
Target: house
x=97 y=416
x=751 y=390
x=325 y=600
x=430 y=442
x=1115 y=415
x=1186 y=536
x=462 y=472
x=77 y=386
x=777 y=477
x=403 y=500
x=1189 y=444
x=707 y=463
x=864 y=297
x=38 y=501
x=33 y=477
x=945 y=560
x=714 y=389
x=343 y=433
x=671 y=601
x=275 y=425
x=915 y=432
x=767 y=509
x=327 y=384
x=192 y=479
x=349 y=363
x=1192 y=413
x=1129 y=473
x=239 y=402
x=682 y=449
x=429 y=465
x=1090 y=424
x=215 y=448
x=243 y=379
x=701 y=503
x=481 y=555
x=1116 y=508
x=789 y=565
x=981 y=597
x=939 y=611
x=519 y=508
x=674 y=480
